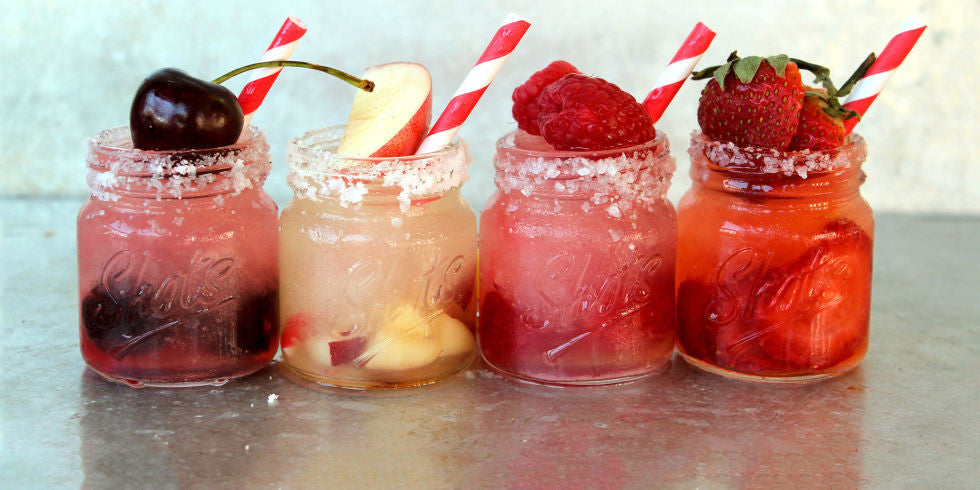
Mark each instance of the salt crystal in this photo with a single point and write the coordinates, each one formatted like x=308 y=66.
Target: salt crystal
x=613 y=210
x=273 y=399
x=615 y=235
x=396 y=222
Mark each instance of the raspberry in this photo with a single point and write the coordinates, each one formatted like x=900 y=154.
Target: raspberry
x=526 y=96
x=579 y=112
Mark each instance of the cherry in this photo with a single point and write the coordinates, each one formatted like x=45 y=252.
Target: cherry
x=175 y=111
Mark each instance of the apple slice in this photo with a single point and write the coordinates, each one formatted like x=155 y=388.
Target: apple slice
x=392 y=120
x=456 y=338
x=406 y=341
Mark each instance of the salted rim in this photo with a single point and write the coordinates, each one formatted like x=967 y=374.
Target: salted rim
x=507 y=143
x=317 y=172
x=754 y=160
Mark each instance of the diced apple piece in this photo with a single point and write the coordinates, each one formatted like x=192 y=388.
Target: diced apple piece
x=345 y=351
x=406 y=341
x=456 y=338
x=392 y=120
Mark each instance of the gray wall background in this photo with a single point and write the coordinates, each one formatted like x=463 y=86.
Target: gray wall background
x=70 y=69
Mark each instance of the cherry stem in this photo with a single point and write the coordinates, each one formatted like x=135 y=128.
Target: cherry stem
x=366 y=85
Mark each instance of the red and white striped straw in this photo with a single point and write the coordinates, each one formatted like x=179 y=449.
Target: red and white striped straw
x=281 y=49
x=503 y=43
x=677 y=71
x=868 y=88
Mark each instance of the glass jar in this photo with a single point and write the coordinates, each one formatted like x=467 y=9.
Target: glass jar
x=774 y=270
x=577 y=254
x=378 y=266
x=177 y=262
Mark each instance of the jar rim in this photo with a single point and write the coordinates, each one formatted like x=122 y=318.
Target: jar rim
x=116 y=168
x=320 y=145
x=508 y=143
x=317 y=172
x=727 y=157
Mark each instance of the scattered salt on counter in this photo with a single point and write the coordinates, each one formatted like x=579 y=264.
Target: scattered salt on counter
x=273 y=399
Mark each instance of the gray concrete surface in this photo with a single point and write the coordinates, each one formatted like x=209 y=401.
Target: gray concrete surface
x=906 y=418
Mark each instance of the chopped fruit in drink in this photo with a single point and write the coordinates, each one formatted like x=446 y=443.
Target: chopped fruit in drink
x=787 y=319
x=579 y=112
x=345 y=351
x=525 y=97
x=406 y=341
x=822 y=334
x=455 y=337
x=296 y=330
x=818 y=128
x=393 y=119
x=175 y=111
x=752 y=101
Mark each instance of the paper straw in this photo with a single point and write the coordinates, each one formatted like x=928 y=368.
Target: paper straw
x=677 y=71
x=501 y=45
x=868 y=87
x=281 y=49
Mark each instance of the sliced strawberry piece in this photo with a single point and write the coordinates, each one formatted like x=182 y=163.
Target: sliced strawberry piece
x=832 y=283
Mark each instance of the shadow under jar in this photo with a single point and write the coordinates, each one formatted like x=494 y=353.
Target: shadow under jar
x=177 y=262
x=774 y=269
x=378 y=266
x=577 y=253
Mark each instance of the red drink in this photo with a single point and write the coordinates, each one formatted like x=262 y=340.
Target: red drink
x=577 y=262
x=774 y=269
x=177 y=262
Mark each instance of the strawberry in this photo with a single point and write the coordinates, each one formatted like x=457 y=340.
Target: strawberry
x=835 y=277
x=821 y=128
x=762 y=102
x=752 y=101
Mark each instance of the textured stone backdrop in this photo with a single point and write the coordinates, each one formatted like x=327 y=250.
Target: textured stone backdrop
x=70 y=69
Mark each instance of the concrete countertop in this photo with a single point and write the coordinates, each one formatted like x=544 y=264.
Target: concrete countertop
x=906 y=418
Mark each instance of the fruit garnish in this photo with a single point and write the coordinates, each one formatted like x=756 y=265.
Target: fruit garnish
x=752 y=101
x=579 y=112
x=819 y=128
x=175 y=111
x=822 y=116
x=525 y=96
x=393 y=120
x=756 y=101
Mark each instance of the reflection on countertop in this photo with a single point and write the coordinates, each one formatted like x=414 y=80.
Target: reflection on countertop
x=906 y=417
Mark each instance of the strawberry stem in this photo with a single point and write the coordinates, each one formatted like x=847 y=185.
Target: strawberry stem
x=365 y=85
x=857 y=75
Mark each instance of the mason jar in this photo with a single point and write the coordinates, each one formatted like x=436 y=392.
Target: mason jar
x=577 y=253
x=378 y=266
x=177 y=262
x=774 y=268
